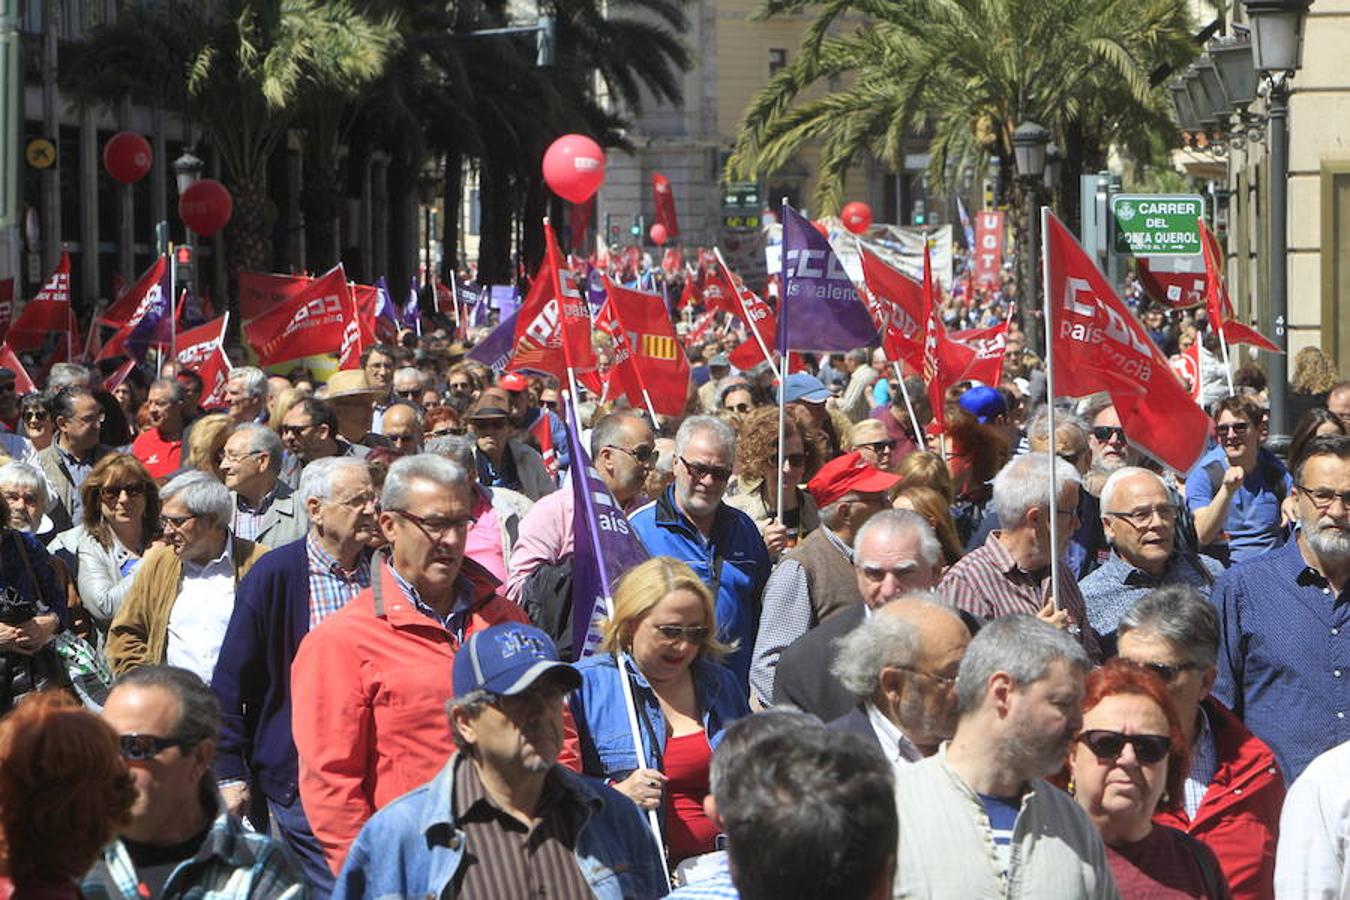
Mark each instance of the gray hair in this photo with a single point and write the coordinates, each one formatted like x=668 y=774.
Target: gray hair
x=1180 y=615
x=1113 y=481
x=24 y=475
x=172 y=385
x=723 y=435
x=202 y=494
x=198 y=708
x=1039 y=428
x=410 y=372
x=424 y=467
x=890 y=522
x=458 y=448
x=609 y=428
x=264 y=439
x=1020 y=645
x=316 y=478
x=858 y=355
x=745 y=733
x=1024 y=484
x=878 y=642
x=64 y=374
x=253 y=380
x=473 y=703
x=1091 y=407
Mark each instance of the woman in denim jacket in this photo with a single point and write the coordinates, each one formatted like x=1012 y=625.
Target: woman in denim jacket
x=663 y=632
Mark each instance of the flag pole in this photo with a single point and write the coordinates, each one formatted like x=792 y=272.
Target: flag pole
x=745 y=311
x=1047 y=311
x=630 y=705
x=1227 y=367
x=909 y=406
x=781 y=340
x=454 y=301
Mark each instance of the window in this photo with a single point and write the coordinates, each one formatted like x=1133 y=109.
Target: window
x=777 y=59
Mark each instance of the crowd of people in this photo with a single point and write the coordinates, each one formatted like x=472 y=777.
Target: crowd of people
x=320 y=640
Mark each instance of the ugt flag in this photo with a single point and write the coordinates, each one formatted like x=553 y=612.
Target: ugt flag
x=604 y=545
x=820 y=309
x=147 y=306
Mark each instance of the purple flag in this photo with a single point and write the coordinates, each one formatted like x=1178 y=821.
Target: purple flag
x=506 y=298
x=820 y=309
x=603 y=544
x=411 y=314
x=495 y=350
x=595 y=290
x=384 y=305
x=480 y=301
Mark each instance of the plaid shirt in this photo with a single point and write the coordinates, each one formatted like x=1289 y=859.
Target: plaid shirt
x=458 y=620
x=248 y=520
x=331 y=587
x=988 y=583
x=1204 y=763
x=231 y=864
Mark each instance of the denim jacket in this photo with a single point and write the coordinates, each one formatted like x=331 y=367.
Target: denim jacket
x=412 y=847
x=603 y=731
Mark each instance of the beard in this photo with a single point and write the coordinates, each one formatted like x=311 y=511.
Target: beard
x=1328 y=541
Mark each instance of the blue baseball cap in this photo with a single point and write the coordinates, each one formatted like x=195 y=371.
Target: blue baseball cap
x=507 y=659
x=983 y=402
x=803 y=387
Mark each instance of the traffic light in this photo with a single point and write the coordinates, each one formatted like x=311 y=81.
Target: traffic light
x=182 y=264
x=638 y=227
x=920 y=212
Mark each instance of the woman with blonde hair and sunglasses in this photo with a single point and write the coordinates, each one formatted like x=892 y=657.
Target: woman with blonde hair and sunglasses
x=121 y=521
x=663 y=632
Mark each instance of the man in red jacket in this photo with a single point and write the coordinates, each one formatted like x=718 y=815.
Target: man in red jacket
x=366 y=684
x=1234 y=790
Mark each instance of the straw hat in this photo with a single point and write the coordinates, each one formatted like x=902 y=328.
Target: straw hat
x=351 y=384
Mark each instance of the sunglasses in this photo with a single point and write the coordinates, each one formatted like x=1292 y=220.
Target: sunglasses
x=35 y=415
x=1107 y=433
x=1236 y=428
x=1169 y=671
x=741 y=408
x=111 y=492
x=699 y=471
x=444 y=432
x=140 y=747
x=1107 y=745
x=693 y=634
x=642 y=454
x=877 y=446
x=549 y=404
x=174 y=522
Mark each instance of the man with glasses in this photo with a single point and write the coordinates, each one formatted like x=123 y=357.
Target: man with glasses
x=283 y=599
x=689 y=522
x=1233 y=790
x=73 y=452
x=623 y=452
x=461 y=387
x=1139 y=516
x=378 y=362
x=815 y=579
x=501 y=818
x=180 y=841
x=372 y=672
x=1236 y=489
x=501 y=459
x=409 y=383
x=1106 y=439
x=265 y=508
x=876 y=447
x=1010 y=572
x=180 y=603
x=1285 y=653
x=309 y=431
x=402 y=425
x=160 y=447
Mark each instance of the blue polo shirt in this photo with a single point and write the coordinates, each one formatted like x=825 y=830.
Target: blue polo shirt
x=1253 y=523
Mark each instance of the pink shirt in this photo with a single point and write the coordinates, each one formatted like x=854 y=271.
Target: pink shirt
x=484 y=542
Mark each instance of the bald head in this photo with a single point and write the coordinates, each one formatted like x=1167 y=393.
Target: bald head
x=940 y=631
x=920 y=697
x=402 y=424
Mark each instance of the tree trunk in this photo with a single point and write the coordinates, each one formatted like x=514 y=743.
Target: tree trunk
x=452 y=204
x=495 y=198
x=536 y=207
x=403 y=237
x=322 y=200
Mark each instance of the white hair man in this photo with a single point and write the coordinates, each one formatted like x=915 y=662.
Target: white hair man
x=1010 y=572
x=265 y=508
x=246 y=395
x=363 y=733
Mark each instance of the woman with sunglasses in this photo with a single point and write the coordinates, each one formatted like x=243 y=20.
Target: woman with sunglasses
x=754 y=489
x=121 y=520
x=35 y=415
x=662 y=634
x=1130 y=757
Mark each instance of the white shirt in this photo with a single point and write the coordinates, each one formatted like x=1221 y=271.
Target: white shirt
x=201 y=613
x=1310 y=860
x=899 y=750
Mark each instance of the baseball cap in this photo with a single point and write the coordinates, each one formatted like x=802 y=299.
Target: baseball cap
x=803 y=387
x=719 y=361
x=848 y=474
x=983 y=402
x=507 y=659
x=513 y=382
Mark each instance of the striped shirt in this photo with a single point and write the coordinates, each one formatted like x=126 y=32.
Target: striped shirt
x=331 y=587
x=460 y=613
x=1204 y=763
x=988 y=583
x=506 y=858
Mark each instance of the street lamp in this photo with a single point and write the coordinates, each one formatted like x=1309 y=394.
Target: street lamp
x=1277 y=47
x=1029 y=146
x=187 y=171
x=1054 y=162
x=1181 y=102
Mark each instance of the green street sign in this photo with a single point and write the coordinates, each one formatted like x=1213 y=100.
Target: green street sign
x=1157 y=224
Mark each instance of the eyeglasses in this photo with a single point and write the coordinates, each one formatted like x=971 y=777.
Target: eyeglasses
x=110 y=492
x=549 y=404
x=940 y=679
x=91 y=419
x=642 y=454
x=240 y=457
x=140 y=747
x=1322 y=498
x=1142 y=517
x=175 y=522
x=443 y=432
x=1107 y=745
x=296 y=430
x=1105 y=434
x=693 y=634
x=1169 y=671
x=36 y=415
x=700 y=471
x=877 y=574
x=877 y=447
x=461 y=387
x=437 y=529
x=410 y=394
x=741 y=408
x=1237 y=429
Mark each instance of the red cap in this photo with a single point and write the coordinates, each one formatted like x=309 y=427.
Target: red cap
x=848 y=474
x=513 y=382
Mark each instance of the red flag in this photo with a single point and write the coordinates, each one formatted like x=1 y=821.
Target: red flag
x=990 y=345
x=543 y=433
x=943 y=359
x=672 y=260
x=580 y=220
x=201 y=349
x=10 y=360
x=120 y=375
x=312 y=322
x=1186 y=366
x=6 y=305
x=1174 y=288
x=987 y=261
x=1098 y=345
x=663 y=198
x=658 y=356
x=130 y=305
x=261 y=292
x=141 y=299
x=734 y=297
x=1217 y=304
x=1238 y=333
x=538 y=337
x=896 y=302
x=574 y=314
x=47 y=312
x=701 y=326
x=622 y=376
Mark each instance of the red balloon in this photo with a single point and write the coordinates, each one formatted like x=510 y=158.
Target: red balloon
x=127 y=157
x=574 y=167
x=857 y=216
x=658 y=234
x=205 y=207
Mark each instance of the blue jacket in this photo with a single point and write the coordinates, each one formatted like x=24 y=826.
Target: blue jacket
x=412 y=847
x=603 y=732
x=253 y=673
x=734 y=561
x=45 y=594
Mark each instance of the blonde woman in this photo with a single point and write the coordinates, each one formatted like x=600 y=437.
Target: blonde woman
x=665 y=634
x=206 y=444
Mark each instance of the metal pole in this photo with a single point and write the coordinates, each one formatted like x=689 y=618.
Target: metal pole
x=11 y=140
x=1277 y=368
x=1044 y=217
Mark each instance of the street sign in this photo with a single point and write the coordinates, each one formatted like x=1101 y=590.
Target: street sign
x=40 y=153
x=741 y=206
x=1157 y=224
